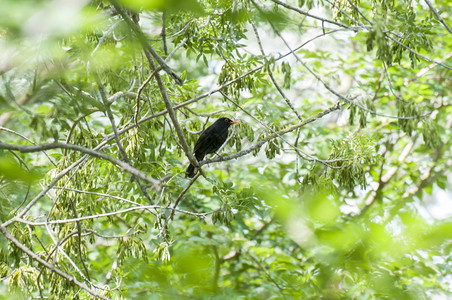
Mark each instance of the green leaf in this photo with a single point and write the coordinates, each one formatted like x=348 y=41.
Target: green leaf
x=10 y=170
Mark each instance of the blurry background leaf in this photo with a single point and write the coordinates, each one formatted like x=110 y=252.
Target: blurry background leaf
x=339 y=186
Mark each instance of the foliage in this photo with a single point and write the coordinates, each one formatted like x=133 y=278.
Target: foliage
x=321 y=191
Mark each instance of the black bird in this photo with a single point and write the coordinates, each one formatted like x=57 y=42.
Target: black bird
x=210 y=141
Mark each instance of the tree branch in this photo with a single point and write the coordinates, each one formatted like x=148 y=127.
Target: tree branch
x=415 y=52
x=176 y=203
x=296 y=9
x=52 y=268
x=438 y=16
x=113 y=213
x=209 y=93
x=270 y=73
x=145 y=43
x=160 y=83
x=300 y=152
x=257 y=145
x=125 y=166
x=27 y=139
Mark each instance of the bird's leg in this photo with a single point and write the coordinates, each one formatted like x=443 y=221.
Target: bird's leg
x=219 y=156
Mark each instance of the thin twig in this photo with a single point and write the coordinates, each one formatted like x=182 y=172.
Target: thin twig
x=185 y=190
x=112 y=120
x=145 y=43
x=438 y=15
x=298 y=150
x=79 y=240
x=52 y=268
x=415 y=52
x=267 y=274
x=359 y=12
x=27 y=139
x=269 y=137
x=140 y=90
x=91 y=152
x=296 y=9
x=270 y=73
x=165 y=49
x=113 y=213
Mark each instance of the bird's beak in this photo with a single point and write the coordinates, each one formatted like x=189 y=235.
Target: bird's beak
x=235 y=122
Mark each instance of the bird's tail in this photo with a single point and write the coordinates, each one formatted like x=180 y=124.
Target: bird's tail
x=190 y=173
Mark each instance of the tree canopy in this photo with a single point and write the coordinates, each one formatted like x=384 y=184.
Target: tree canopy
x=324 y=189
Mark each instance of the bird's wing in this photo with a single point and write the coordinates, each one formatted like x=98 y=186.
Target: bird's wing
x=202 y=139
x=210 y=140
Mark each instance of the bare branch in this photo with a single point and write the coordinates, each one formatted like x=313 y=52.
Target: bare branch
x=145 y=43
x=208 y=94
x=52 y=268
x=27 y=139
x=270 y=73
x=390 y=172
x=176 y=203
x=438 y=16
x=431 y=66
x=163 y=34
x=169 y=107
x=296 y=9
x=359 y=12
x=140 y=90
x=281 y=132
x=415 y=52
x=44 y=191
x=105 y=35
x=301 y=153
x=125 y=166
x=113 y=213
x=112 y=120
x=98 y=194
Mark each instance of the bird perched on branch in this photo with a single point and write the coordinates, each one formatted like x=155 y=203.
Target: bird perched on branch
x=210 y=141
